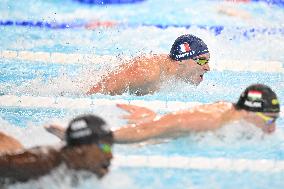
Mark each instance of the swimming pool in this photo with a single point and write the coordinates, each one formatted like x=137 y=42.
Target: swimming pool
x=62 y=82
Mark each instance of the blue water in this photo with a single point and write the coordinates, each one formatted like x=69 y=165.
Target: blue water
x=19 y=77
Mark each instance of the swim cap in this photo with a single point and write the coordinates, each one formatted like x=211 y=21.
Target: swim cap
x=87 y=129
x=258 y=98
x=187 y=47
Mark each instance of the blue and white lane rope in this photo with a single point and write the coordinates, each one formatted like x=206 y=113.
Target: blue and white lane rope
x=217 y=30
x=103 y=2
x=273 y=2
x=91 y=103
x=199 y=163
x=74 y=58
x=86 y=103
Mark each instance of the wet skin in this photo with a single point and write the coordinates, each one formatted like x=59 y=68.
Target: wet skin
x=192 y=72
x=144 y=75
x=28 y=164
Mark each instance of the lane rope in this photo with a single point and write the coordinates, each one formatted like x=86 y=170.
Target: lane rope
x=86 y=103
x=274 y=2
x=90 y=103
x=103 y=2
x=76 y=58
x=198 y=163
x=217 y=30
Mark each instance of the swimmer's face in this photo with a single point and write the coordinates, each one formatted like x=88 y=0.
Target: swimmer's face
x=264 y=121
x=90 y=157
x=191 y=72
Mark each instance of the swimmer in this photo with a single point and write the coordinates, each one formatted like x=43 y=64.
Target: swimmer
x=188 y=60
x=258 y=105
x=88 y=147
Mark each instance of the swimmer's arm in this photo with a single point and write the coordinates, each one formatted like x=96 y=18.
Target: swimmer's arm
x=8 y=143
x=28 y=164
x=168 y=126
x=56 y=130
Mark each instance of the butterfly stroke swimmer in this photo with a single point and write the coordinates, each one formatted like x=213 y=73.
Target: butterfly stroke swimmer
x=87 y=147
x=258 y=105
x=188 y=61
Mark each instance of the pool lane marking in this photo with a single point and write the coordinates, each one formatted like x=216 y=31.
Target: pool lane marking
x=89 y=103
x=55 y=57
x=76 y=58
x=198 y=163
x=86 y=103
x=248 y=33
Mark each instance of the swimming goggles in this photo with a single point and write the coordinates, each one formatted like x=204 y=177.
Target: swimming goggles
x=106 y=148
x=268 y=119
x=201 y=61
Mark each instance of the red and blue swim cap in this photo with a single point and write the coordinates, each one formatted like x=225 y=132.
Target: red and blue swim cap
x=187 y=47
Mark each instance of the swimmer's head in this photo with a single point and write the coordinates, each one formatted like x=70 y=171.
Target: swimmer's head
x=258 y=98
x=188 y=47
x=87 y=129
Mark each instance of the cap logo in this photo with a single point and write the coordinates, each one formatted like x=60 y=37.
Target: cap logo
x=184 y=47
x=80 y=129
x=81 y=133
x=253 y=104
x=77 y=125
x=254 y=95
x=274 y=102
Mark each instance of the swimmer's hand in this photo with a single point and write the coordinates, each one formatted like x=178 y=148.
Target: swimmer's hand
x=137 y=114
x=56 y=130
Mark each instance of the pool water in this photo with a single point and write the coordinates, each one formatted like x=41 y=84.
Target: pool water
x=236 y=141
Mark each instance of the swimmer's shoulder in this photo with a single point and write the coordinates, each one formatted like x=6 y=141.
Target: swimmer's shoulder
x=151 y=58
x=224 y=104
x=217 y=107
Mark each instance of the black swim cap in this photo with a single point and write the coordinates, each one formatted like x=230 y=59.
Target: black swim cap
x=258 y=98
x=187 y=47
x=87 y=129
